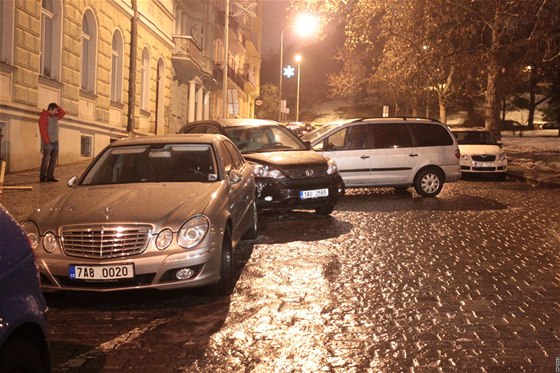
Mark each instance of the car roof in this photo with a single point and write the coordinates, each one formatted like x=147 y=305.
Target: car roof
x=238 y=122
x=342 y=122
x=468 y=129
x=187 y=138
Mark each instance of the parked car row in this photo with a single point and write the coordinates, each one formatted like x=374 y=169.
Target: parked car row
x=167 y=212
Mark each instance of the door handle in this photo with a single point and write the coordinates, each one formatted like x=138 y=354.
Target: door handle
x=413 y=155
x=364 y=156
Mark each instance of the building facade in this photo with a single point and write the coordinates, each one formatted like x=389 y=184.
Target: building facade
x=118 y=67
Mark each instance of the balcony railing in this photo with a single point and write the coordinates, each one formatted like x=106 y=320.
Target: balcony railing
x=186 y=46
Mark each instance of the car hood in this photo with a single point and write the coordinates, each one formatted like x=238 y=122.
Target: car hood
x=287 y=158
x=157 y=204
x=480 y=149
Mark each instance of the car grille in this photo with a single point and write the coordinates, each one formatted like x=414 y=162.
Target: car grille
x=484 y=158
x=306 y=172
x=312 y=175
x=104 y=242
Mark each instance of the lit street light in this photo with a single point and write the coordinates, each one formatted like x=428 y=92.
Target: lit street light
x=305 y=25
x=298 y=60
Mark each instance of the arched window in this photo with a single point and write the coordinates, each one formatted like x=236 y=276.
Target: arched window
x=89 y=51
x=7 y=35
x=116 y=66
x=145 y=83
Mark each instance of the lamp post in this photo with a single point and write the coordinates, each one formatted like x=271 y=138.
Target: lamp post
x=298 y=60
x=306 y=24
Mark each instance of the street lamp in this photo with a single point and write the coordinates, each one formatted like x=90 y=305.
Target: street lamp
x=298 y=60
x=306 y=24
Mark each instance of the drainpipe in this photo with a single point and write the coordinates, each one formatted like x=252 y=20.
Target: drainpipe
x=132 y=70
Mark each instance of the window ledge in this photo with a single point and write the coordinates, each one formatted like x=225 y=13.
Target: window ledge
x=145 y=113
x=49 y=81
x=117 y=105
x=7 y=68
x=88 y=95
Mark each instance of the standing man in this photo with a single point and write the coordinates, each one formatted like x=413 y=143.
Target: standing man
x=48 y=127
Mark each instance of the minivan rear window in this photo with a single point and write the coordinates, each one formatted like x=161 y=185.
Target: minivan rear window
x=430 y=134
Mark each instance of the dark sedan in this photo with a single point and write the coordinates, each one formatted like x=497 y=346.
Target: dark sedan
x=288 y=173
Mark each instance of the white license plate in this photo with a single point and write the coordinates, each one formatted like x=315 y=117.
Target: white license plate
x=305 y=194
x=105 y=272
x=483 y=164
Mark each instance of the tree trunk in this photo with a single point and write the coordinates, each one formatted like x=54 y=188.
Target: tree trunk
x=532 y=98
x=491 y=115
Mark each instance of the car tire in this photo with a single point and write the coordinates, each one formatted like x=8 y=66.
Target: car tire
x=428 y=182
x=325 y=209
x=252 y=233
x=20 y=355
x=225 y=286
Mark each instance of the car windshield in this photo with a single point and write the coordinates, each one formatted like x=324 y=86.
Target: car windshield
x=317 y=133
x=153 y=163
x=474 y=138
x=251 y=139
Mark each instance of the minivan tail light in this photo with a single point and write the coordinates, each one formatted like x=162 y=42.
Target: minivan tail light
x=457 y=154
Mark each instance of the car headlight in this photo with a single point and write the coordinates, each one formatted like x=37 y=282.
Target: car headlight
x=465 y=157
x=502 y=157
x=164 y=239
x=266 y=171
x=193 y=231
x=332 y=168
x=32 y=233
x=50 y=242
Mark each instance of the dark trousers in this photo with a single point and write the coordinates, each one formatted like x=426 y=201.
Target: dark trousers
x=49 y=158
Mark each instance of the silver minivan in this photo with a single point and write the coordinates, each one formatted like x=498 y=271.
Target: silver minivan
x=390 y=152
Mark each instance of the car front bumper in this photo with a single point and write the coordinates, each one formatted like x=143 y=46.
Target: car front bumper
x=273 y=195
x=150 y=271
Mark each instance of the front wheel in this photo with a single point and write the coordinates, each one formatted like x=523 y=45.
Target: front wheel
x=20 y=355
x=225 y=285
x=428 y=183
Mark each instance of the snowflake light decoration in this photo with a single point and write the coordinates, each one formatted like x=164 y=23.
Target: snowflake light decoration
x=289 y=71
x=244 y=9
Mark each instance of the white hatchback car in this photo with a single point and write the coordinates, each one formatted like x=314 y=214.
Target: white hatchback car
x=480 y=152
x=390 y=152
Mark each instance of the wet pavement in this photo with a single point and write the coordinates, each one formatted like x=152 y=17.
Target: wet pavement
x=391 y=282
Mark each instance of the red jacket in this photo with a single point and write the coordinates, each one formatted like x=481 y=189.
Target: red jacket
x=44 y=122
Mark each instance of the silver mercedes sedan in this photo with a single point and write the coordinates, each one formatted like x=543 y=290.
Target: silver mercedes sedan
x=161 y=212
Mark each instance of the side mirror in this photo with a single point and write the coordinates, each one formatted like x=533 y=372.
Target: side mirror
x=308 y=143
x=73 y=181
x=235 y=177
x=500 y=144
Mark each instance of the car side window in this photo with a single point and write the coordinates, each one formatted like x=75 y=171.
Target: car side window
x=430 y=134
x=391 y=135
x=226 y=158
x=237 y=158
x=356 y=137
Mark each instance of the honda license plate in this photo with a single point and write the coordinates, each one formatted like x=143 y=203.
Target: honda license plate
x=305 y=194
